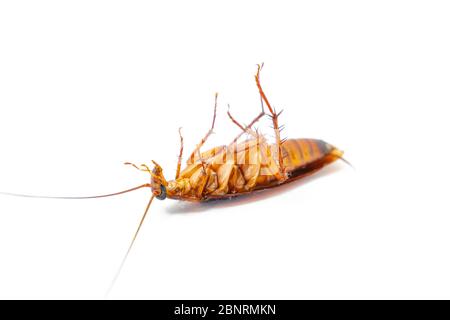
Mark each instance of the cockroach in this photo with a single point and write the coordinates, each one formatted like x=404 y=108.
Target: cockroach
x=235 y=169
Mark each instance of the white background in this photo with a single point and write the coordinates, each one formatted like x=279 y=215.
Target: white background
x=87 y=85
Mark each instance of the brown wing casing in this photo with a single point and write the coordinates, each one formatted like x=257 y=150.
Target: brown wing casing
x=306 y=156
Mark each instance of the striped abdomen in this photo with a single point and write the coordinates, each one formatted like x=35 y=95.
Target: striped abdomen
x=249 y=166
x=304 y=156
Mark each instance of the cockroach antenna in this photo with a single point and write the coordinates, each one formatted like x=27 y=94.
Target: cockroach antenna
x=116 y=276
x=146 y=185
x=13 y=194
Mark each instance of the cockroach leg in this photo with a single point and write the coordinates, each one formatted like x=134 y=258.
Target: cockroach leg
x=202 y=142
x=244 y=129
x=180 y=156
x=274 y=117
x=248 y=127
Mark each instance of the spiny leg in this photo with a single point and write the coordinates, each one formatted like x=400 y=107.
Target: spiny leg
x=244 y=129
x=274 y=117
x=180 y=155
x=257 y=136
x=261 y=144
x=258 y=117
x=202 y=142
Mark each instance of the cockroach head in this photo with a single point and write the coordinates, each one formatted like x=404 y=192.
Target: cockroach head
x=158 y=182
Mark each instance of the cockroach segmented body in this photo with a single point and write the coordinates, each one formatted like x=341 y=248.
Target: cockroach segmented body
x=235 y=169
x=240 y=168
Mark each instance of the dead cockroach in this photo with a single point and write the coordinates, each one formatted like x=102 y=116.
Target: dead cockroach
x=235 y=169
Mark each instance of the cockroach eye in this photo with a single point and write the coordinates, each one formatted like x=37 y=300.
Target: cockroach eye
x=163 y=194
